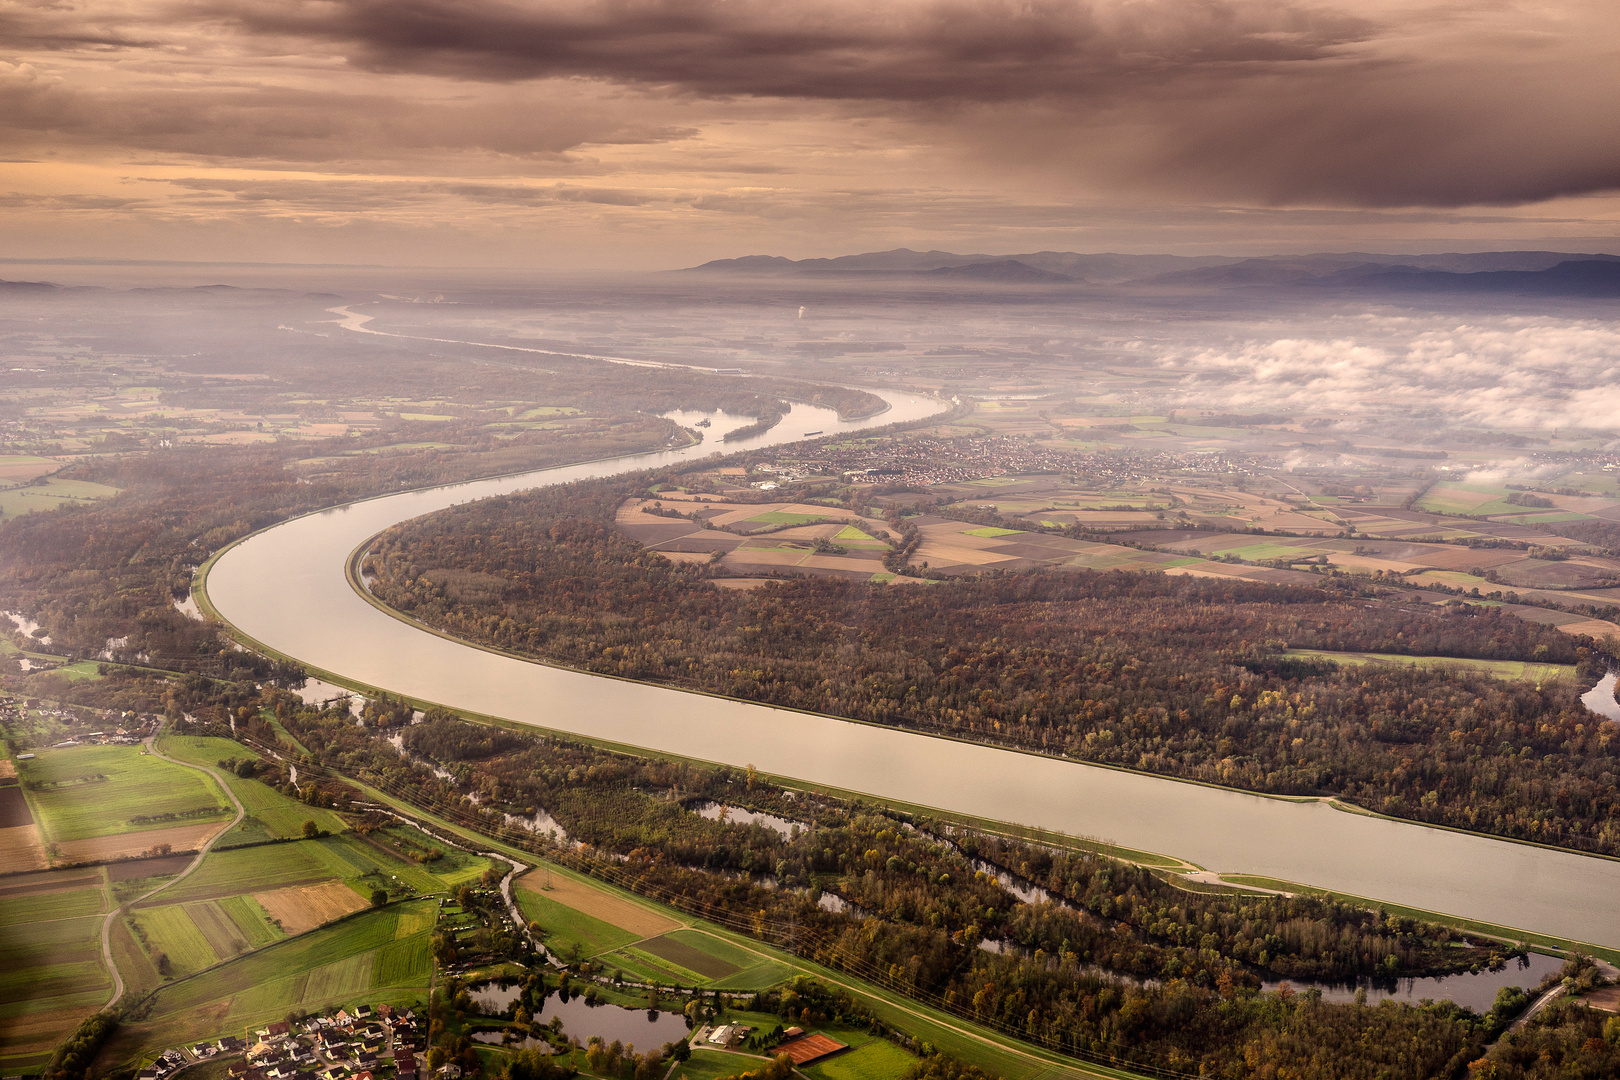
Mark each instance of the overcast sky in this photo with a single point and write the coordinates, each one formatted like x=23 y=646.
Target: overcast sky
x=657 y=133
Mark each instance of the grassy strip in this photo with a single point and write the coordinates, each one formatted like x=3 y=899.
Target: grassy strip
x=1501 y=669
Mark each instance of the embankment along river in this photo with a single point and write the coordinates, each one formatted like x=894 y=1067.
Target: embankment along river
x=286 y=588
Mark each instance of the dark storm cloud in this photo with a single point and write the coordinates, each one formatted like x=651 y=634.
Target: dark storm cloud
x=949 y=50
x=1278 y=102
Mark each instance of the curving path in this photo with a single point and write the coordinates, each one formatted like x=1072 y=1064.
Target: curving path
x=202 y=853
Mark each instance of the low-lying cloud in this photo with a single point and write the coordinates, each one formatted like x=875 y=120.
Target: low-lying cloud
x=1514 y=373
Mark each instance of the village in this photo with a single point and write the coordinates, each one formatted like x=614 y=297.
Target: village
x=358 y=1042
x=930 y=460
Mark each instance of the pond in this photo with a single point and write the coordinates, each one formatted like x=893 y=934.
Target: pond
x=647 y=1029
x=1600 y=699
x=1471 y=990
x=494 y=999
x=737 y=815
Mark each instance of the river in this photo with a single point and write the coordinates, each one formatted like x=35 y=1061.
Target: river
x=287 y=589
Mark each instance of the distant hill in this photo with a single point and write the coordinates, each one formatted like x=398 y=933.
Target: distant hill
x=1548 y=273
x=27 y=286
x=1011 y=271
x=1591 y=277
x=1061 y=266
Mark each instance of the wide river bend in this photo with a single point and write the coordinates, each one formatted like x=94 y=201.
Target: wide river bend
x=286 y=588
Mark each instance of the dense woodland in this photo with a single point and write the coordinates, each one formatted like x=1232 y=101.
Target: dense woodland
x=1120 y=965
x=1175 y=675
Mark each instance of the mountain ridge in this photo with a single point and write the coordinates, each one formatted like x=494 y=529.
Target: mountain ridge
x=1538 y=272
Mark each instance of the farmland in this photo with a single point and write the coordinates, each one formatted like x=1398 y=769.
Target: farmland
x=868 y=1058
x=374 y=956
x=51 y=974
x=270 y=815
x=89 y=792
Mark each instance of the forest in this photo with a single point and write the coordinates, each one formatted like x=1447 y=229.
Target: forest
x=1115 y=964
x=1179 y=676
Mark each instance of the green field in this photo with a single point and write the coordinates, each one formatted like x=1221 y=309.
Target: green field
x=373 y=956
x=762 y=976
x=249 y=870
x=989 y=531
x=270 y=815
x=51 y=495
x=89 y=791
x=868 y=1058
x=51 y=974
x=200 y=934
x=15 y=911
x=713 y=1064
x=566 y=929
x=1501 y=669
x=780 y=517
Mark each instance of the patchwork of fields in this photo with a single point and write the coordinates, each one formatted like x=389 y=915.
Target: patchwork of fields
x=376 y=955
x=580 y=918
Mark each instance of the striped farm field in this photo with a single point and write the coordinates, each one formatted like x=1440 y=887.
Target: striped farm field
x=51 y=977
x=169 y=931
x=376 y=955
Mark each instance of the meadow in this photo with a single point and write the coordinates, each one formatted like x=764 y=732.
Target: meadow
x=84 y=792
x=1501 y=669
x=270 y=815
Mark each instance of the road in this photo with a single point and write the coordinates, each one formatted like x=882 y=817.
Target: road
x=1609 y=971
x=202 y=852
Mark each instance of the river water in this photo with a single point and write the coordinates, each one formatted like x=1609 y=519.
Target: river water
x=286 y=588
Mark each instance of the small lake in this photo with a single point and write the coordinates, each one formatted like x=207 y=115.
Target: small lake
x=648 y=1030
x=738 y=816
x=1600 y=699
x=1472 y=991
x=494 y=999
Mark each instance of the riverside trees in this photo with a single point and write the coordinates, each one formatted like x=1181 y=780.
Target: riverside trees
x=1174 y=675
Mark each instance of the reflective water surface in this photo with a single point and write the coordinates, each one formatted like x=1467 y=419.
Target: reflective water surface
x=286 y=588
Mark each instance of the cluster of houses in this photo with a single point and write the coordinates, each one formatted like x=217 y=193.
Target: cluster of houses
x=128 y=727
x=346 y=1044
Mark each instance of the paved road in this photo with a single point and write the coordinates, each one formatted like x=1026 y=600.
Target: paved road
x=1609 y=972
x=107 y=925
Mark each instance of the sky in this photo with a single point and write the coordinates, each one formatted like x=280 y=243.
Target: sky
x=646 y=134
